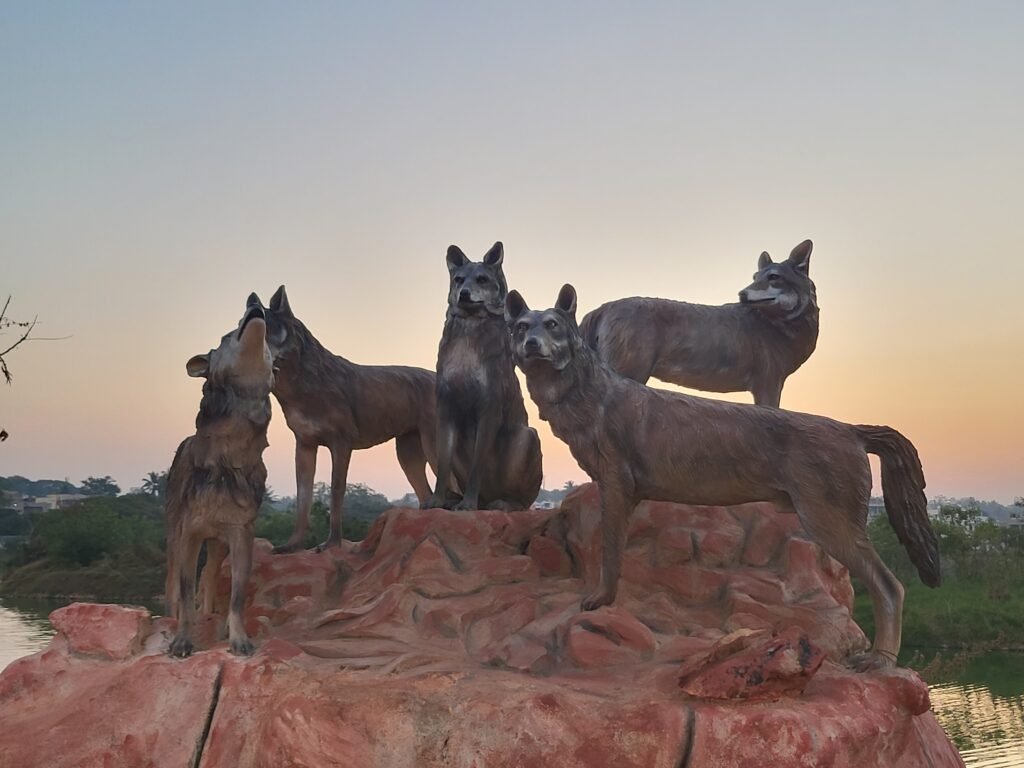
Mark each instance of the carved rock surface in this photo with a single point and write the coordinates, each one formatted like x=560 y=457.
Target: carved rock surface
x=456 y=639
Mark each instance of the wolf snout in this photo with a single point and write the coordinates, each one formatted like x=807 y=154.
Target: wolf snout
x=744 y=296
x=463 y=296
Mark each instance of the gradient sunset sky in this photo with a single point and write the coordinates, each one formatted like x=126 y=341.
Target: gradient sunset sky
x=160 y=161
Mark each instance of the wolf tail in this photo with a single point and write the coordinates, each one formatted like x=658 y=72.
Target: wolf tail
x=905 y=503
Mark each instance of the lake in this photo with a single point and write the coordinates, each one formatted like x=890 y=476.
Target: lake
x=982 y=709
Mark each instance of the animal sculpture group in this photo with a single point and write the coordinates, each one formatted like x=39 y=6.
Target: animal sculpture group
x=467 y=421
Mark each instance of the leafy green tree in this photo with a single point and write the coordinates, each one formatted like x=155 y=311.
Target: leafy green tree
x=155 y=484
x=100 y=486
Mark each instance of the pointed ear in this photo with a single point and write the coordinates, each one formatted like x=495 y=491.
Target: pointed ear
x=455 y=258
x=199 y=366
x=515 y=306
x=800 y=258
x=763 y=260
x=279 y=303
x=567 y=300
x=494 y=256
x=253 y=300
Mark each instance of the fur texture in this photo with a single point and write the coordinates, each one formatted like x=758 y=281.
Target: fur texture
x=330 y=401
x=217 y=479
x=484 y=439
x=642 y=443
x=753 y=345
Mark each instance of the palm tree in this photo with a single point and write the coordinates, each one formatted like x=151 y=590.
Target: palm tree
x=155 y=484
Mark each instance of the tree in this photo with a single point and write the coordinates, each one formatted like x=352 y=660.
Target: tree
x=100 y=486
x=155 y=484
x=23 y=333
x=24 y=329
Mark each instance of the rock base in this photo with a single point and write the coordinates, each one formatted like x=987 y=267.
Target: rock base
x=455 y=639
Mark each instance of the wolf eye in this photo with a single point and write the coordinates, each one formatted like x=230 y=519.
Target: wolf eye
x=550 y=324
x=520 y=329
x=774 y=279
x=459 y=280
x=481 y=280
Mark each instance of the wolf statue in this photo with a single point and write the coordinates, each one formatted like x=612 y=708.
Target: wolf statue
x=217 y=479
x=484 y=439
x=643 y=443
x=751 y=346
x=330 y=401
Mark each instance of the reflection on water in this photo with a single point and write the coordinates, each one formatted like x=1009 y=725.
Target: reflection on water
x=24 y=627
x=982 y=711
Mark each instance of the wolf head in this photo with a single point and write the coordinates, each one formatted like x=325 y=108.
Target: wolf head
x=282 y=325
x=784 y=289
x=547 y=337
x=476 y=288
x=241 y=368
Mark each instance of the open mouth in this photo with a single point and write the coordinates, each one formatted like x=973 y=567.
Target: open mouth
x=252 y=313
x=769 y=300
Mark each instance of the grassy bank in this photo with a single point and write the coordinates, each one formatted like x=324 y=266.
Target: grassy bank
x=112 y=549
x=956 y=615
x=104 y=581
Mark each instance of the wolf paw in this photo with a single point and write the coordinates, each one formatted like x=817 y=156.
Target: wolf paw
x=181 y=647
x=287 y=548
x=332 y=541
x=242 y=647
x=871 y=661
x=595 y=600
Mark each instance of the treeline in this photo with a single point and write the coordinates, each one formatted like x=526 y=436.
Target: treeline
x=980 y=603
x=114 y=546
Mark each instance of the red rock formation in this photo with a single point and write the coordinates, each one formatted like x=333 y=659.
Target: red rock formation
x=455 y=639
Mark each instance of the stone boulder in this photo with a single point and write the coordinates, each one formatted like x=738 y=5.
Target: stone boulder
x=456 y=639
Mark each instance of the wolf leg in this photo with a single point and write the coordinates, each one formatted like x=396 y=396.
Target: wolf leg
x=616 y=506
x=445 y=449
x=521 y=472
x=187 y=558
x=240 y=540
x=216 y=551
x=341 y=455
x=305 y=471
x=413 y=461
x=483 y=458
x=841 y=535
x=769 y=394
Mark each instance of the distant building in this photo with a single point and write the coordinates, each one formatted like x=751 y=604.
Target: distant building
x=52 y=501
x=1016 y=519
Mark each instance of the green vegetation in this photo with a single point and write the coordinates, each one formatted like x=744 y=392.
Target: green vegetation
x=981 y=601
x=110 y=547
x=113 y=547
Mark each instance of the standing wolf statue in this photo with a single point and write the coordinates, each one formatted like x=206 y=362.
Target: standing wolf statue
x=751 y=346
x=643 y=443
x=330 y=401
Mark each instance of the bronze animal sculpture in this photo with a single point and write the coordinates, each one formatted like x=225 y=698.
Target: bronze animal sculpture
x=217 y=479
x=484 y=439
x=643 y=443
x=330 y=401
x=753 y=345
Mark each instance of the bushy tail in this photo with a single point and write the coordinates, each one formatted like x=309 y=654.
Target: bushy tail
x=905 y=502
